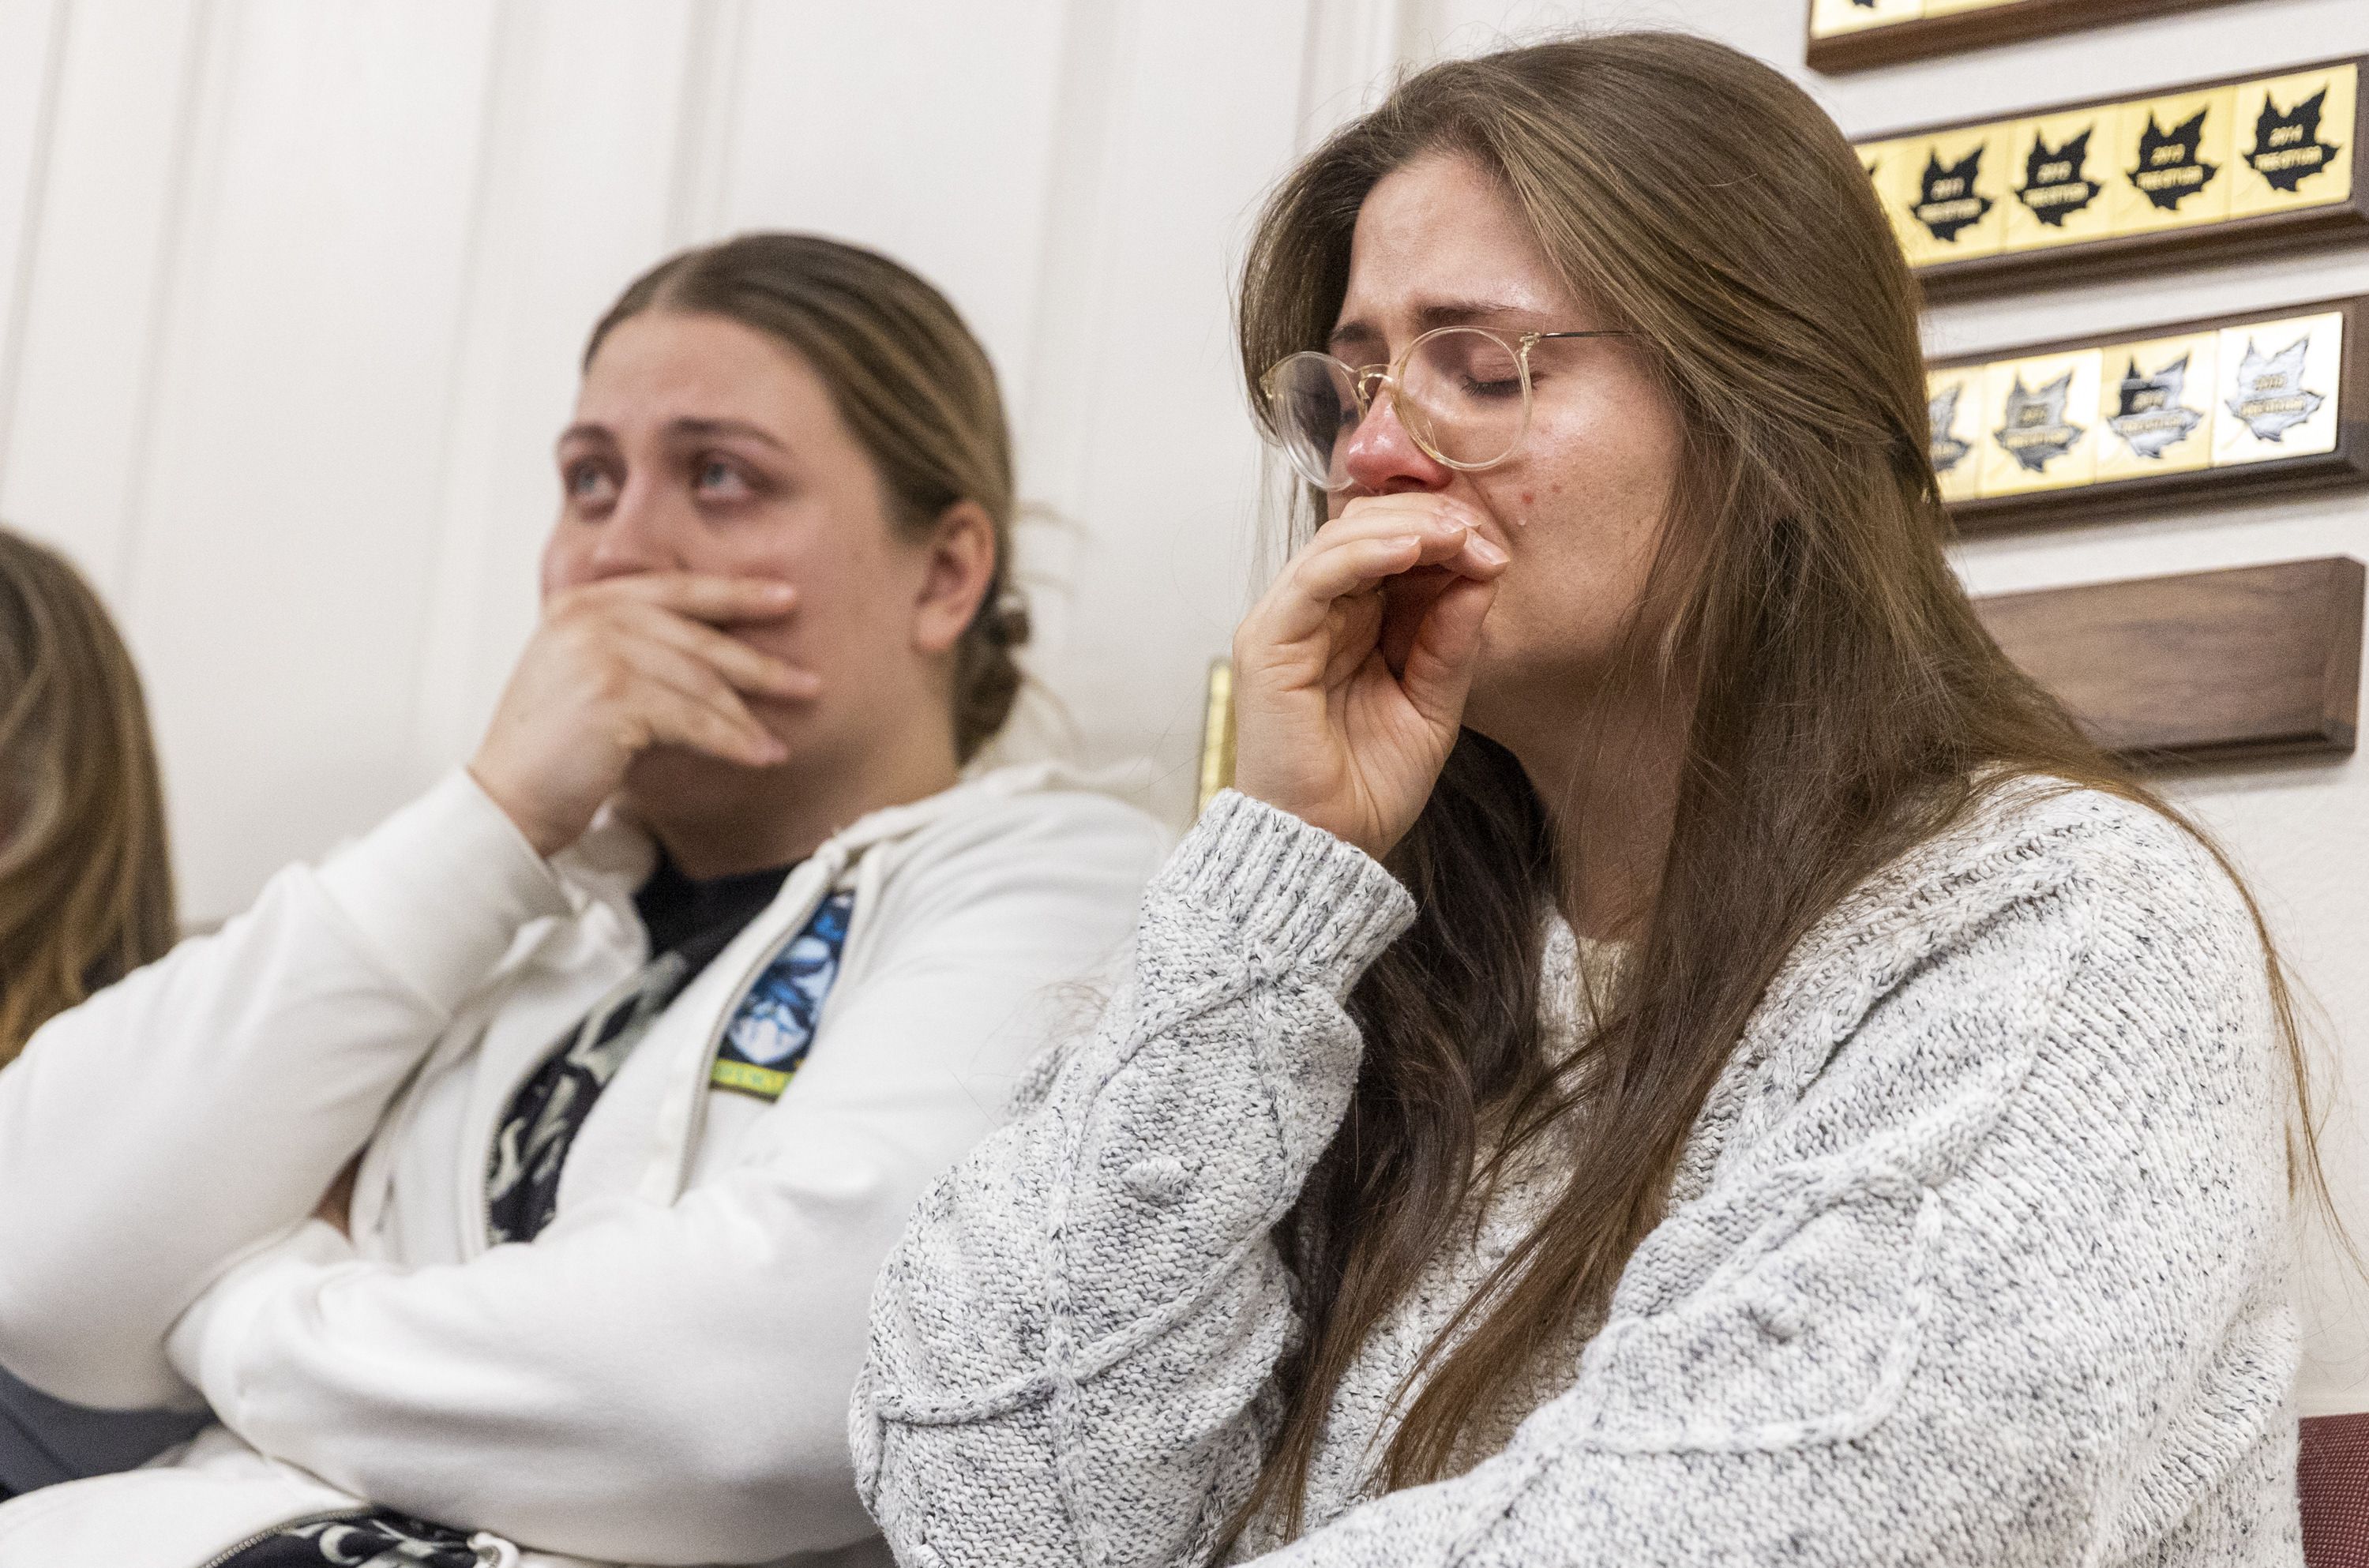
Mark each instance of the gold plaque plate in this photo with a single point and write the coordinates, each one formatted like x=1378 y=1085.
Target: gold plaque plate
x=2057 y=170
x=1830 y=17
x=2278 y=391
x=2290 y=135
x=1955 y=407
x=2172 y=154
x=2040 y=423
x=1947 y=194
x=2156 y=402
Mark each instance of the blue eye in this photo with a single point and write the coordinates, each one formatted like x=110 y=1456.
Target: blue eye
x=588 y=483
x=714 y=476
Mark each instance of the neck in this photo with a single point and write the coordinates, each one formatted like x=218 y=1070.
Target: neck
x=1608 y=780
x=738 y=819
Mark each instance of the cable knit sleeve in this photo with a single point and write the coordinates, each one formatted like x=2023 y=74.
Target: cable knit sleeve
x=1980 y=1258
x=1069 y=1346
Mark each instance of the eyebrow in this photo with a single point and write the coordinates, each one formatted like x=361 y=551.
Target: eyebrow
x=1447 y=312
x=678 y=429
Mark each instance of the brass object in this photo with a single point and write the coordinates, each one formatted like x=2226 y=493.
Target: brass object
x=1217 y=735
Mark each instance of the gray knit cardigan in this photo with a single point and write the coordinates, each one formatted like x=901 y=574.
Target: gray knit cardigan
x=1978 y=1254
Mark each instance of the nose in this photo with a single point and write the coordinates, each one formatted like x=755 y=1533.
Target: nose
x=1381 y=458
x=638 y=536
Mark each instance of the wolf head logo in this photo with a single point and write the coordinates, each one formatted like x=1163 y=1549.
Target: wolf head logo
x=2287 y=148
x=2056 y=182
x=2271 y=397
x=1947 y=202
x=2149 y=415
x=2035 y=431
x=2171 y=163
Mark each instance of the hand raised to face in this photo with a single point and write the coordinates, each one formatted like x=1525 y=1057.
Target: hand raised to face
x=1350 y=674
x=623 y=664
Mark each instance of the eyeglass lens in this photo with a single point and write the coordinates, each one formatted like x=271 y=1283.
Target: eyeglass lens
x=1460 y=394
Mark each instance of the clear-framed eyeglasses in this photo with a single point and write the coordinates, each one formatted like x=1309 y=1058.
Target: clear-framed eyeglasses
x=1463 y=392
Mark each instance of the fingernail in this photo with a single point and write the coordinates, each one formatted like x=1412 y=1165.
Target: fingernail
x=1489 y=554
x=780 y=592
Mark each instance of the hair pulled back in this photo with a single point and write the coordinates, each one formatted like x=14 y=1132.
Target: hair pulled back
x=85 y=883
x=916 y=389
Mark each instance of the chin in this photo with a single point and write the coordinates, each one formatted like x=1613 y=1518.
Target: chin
x=670 y=781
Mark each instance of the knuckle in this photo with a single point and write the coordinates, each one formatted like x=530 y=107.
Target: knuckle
x=612 y=680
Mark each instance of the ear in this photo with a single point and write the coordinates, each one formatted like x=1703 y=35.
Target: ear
x=955 y=577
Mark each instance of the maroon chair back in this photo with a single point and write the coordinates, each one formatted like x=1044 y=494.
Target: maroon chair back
x=2333 y=1476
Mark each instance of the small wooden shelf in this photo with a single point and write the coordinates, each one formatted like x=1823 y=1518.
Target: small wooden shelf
x=2250 y=662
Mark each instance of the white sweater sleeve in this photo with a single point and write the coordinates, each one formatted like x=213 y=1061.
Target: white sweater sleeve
x=1988 y=1273
x=668 y=1384
x=200 y=1106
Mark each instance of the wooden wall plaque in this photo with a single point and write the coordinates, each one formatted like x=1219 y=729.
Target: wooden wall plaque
x=2131 y=184
x=2201 y=411
x=2258 y=661
x=1851 y=35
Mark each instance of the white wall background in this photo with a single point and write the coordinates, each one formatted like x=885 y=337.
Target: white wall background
x=291 y=295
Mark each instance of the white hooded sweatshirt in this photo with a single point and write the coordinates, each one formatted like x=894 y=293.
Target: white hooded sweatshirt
x=661 y=1376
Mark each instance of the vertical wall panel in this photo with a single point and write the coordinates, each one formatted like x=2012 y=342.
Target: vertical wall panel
x=1146 y=447
x=32 y=46
x=581 y=174
x=283 y=532
x=933 y=147
x=93 y=275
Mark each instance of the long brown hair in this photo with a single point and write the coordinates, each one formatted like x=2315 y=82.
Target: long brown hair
x=86 y=883
x=915 y=387
x=1843 y=702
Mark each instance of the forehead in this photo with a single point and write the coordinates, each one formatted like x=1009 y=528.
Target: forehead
x=666 y=364
x=1437 y=230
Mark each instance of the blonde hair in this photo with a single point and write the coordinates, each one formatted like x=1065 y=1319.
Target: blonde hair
x=913 y=385
x=85 y=885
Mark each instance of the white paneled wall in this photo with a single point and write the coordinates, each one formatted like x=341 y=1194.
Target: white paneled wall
x=291 y=296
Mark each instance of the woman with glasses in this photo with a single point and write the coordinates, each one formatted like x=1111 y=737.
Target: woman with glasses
x=1677 y=1054
x=516 y=1180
